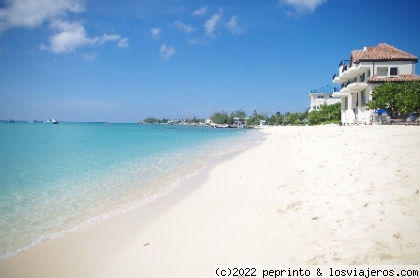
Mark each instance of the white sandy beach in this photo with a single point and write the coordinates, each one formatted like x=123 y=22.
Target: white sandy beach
x=306 y=195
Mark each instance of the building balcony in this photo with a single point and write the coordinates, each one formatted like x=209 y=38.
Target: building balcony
x=347 y=71
x=344 y=63
x=346 y=91
x=357 y=86
x=356 y=70
x=341 y=94
x=346 y=75
x=336 y=79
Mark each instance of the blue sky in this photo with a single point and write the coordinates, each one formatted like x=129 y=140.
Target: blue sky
x=122 y=61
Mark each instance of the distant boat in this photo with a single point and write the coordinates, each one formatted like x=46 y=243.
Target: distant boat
x=52 y=121
x=222 y=126
x=9 y=121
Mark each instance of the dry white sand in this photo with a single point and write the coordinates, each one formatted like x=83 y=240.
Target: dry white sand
x=306 y=195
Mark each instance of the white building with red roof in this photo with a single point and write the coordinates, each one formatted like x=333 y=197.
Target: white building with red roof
x=365 y=70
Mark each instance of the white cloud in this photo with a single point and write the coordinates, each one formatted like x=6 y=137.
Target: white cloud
x=106 y=38
x=123 y=43
x=183 y=27
x=303 y=6
x=200 y=11
x=90 y=57
x=166 y=51
x=233 y=26
x=72 y=35
x=69 y=37
x=30 y=13
x=210 y=24
x=197 y=40
x=155 y=33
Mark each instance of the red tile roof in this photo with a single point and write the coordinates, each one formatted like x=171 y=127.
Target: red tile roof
x=381 y=52
x=400 y=78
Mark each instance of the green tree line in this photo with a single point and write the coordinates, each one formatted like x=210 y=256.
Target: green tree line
x=326 y=114
x=255 y=118
x=153 y=120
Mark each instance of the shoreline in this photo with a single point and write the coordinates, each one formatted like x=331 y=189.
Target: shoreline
x=305 y=195
x=120 y=188
x=93 y=232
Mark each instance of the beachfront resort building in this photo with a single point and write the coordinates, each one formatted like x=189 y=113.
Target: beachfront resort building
x=323 y=96
x=365 y=70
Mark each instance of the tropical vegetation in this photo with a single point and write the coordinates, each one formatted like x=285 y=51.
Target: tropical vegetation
x=254 y=119
x=327 y=114
x=152 y=120
x=398 y=99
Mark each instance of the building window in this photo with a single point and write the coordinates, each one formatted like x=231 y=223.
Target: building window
x=320 y=97
x=393 y=72
x=364 y=100
x=382 y=71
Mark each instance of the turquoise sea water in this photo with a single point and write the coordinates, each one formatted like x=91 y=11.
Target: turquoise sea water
x=57 y=178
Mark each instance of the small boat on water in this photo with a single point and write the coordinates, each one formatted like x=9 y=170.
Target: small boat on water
x=227 y=126
x=221 y=126
x=10 y=121
x=52 y=121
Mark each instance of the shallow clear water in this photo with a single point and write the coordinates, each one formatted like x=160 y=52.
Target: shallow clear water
x=57 y=178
